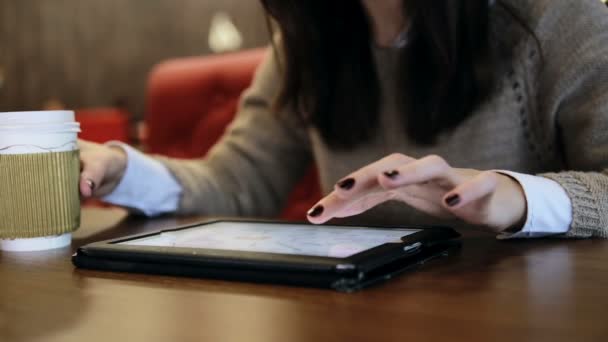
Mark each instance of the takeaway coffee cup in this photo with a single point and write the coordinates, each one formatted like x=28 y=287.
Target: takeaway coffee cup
x=39 y=173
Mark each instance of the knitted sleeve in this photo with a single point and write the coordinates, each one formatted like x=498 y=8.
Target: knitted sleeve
x=573 y=96
x=256 y=163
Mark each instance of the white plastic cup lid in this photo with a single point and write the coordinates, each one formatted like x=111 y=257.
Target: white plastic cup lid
x=42 y=128
x=37 y=117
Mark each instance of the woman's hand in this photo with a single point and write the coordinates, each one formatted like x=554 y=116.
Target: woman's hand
x=431 y=185
x=102 y=168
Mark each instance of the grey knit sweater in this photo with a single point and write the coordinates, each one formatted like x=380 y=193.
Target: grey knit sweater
x=547 y=117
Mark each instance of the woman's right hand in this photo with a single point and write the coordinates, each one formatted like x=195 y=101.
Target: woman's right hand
x=102 y=168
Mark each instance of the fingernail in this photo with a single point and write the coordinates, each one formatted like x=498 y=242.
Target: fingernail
x=346 y=184
x=452 y=201
x=392 y=174
x=91 y=184
x=316 y=211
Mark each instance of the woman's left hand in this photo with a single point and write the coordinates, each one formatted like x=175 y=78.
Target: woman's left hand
x=483 y=198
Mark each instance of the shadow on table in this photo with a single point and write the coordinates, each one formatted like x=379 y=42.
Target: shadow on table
x=485 y=263
x=465 y=270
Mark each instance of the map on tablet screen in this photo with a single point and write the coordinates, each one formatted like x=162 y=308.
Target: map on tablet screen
x=295 y=239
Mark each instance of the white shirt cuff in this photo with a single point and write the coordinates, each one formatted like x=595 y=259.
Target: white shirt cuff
x=549 y=207
x=147 y=186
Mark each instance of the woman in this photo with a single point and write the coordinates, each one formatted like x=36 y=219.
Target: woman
x=413 y=111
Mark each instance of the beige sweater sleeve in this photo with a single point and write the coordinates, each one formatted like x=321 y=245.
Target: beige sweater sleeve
x=573 y=94
x=252 y=169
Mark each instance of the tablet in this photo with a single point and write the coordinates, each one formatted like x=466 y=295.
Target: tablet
x=344 y=258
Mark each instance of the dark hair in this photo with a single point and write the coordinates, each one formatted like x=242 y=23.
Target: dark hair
x=330 y=78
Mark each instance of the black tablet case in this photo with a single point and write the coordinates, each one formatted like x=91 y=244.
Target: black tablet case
x=346 y=280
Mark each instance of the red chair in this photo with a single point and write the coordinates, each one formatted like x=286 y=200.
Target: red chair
x=190 y=101
x=103 y=124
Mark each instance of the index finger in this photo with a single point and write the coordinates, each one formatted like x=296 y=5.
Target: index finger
x=333 y=206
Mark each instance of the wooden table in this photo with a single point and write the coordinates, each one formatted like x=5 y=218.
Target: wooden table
x=548 y=290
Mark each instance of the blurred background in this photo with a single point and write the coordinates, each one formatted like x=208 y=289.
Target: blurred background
x=95 y=56
x=97 y=53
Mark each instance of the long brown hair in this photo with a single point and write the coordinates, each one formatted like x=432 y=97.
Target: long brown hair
x=330 y=78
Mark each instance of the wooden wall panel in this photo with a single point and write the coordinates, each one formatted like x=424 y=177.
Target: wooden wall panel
x=93 y=52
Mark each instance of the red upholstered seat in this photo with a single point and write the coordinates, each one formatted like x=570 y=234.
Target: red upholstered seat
x=190 y=101
x=103 y=124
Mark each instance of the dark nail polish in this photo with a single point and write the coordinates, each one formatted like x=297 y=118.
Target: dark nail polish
x=452 y=201
x=346 y=184
x=392 y=174
x=316 y=211
x=91 y=184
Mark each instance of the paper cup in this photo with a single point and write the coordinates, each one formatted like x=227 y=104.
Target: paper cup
x=39 y=176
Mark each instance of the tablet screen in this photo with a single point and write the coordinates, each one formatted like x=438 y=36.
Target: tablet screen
x=296 y=239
